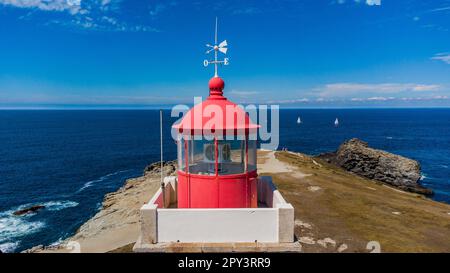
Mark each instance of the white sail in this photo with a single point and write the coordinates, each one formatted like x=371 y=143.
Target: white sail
x=299 y=120
x=336 y=122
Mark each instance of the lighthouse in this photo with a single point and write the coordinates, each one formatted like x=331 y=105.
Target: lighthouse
x=216 y=195
x=217 y=149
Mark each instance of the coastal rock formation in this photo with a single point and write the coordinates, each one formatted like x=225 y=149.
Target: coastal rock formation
x=169 y=167
x=356 y=156
x=28 y=210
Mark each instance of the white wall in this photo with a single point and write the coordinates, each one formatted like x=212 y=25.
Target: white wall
x=217 y=225
x=274 y=223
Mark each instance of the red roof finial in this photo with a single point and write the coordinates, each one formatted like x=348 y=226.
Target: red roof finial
x=216 y=86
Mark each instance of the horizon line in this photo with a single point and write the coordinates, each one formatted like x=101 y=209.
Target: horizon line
x=155 y=108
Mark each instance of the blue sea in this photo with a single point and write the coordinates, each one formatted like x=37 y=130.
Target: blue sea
x=68 y=160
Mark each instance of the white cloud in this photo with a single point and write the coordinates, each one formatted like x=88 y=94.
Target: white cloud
x=368 y=2
x=346 y=89
x=380 y=98
x=384 y=99
x=247 y=11
x=157 y=9
x=302 y=100
x=445 y=57
x=357 y=99
x=439 y=9
x=239 y=94
x=373 y=2
x=72 y=6
x=425 y=87
x=440 y=97
x=99 y=15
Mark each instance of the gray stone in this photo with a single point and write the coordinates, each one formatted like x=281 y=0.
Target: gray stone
x=398 y=171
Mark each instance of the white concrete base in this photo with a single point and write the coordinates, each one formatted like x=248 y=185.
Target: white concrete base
x=174 y=247
x=272 y=223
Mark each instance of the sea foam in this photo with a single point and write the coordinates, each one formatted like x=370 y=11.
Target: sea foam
x=13 y=227
x=59 y=205
x=101 y=179
x=8 y=247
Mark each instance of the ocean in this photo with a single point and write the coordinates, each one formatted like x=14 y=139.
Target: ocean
x=68 y=160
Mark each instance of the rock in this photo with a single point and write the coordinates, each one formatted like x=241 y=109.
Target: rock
x=342 y=248
x=314 y=188
x=168 y=166
x=29 y=210
x=398 y=171
x=327 y=241
x=34 y=249
x=307 y=240
x=300 y=223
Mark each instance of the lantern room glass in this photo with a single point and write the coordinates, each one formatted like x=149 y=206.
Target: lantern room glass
x=181 y=154
x=202 y=157
x=233 y=157
x=252 y=156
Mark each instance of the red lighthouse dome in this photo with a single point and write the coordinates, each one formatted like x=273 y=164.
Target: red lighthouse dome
x=216 y=115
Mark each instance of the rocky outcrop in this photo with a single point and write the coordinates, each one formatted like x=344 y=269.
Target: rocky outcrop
x=28 y=210
x=169 y=167
x=357 y=157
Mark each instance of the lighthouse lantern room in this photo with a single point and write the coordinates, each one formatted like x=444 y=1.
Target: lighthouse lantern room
x=217 y=164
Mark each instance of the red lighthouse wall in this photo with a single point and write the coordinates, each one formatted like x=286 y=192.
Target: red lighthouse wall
x=233 y=191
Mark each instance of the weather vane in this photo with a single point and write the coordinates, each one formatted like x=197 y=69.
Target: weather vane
x=222 y=47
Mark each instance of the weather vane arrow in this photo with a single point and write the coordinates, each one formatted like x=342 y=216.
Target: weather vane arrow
x=222 y=47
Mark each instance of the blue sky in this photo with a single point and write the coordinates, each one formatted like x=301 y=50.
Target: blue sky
x=296 y=53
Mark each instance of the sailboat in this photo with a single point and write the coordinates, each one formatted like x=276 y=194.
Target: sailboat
x=299 y=120
x=336 y=122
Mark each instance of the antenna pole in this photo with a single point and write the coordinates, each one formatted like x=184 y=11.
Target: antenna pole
x=215 y=53
x=163 y=190
x=215 y=37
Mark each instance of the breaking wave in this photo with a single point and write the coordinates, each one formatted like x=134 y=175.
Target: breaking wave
x=13 y=227
x=59 y=205
x=8 y=247
x=101 y=179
